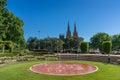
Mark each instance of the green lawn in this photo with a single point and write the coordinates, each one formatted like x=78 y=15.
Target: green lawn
x=20 y=71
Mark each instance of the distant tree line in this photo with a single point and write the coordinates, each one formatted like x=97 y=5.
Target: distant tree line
x=101 y=41
x=54 y=44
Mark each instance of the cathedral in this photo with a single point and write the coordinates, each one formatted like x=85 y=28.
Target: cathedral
x=68 y=33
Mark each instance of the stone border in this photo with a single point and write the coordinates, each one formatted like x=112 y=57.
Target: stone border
x=89 y=57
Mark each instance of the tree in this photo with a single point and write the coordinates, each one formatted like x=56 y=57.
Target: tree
x=116 y=42
x=32 y=43
x=59 y=45
x=49 y=44
x=14 y=31
x=2 y=4
x=52 y=44
x=97 y=40
x=72 y=44
x=2 y=9
x=84 y=46
x=12 y=25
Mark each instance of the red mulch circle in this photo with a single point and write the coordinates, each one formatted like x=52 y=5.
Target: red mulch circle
x=63 y=68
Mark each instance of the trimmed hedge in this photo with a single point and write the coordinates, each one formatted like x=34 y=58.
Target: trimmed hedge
x=84 y=46
x=107 y=46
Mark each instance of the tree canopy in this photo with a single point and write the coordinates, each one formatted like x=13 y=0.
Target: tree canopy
x=97 y=40
x=11 y=25
x=116 y=41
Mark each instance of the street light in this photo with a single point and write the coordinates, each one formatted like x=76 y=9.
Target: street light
x=39 y=39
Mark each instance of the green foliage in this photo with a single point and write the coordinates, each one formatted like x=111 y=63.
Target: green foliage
x=7 y=55
x=12 y=26
x=84 y=46
x=8 y=44
x=2 y=9
x=26 y=51
x=49 y=44
x=52 y=44
x=107 y=46
x=116 y=41
x=32 y=43
x=11 y=49
x=2 y=4
x=97 y=40
x=72 y=43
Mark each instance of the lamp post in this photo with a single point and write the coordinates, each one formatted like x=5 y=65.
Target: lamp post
x=39 y=39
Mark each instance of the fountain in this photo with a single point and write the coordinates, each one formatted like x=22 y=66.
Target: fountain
x=63 y=68
x=67 y=68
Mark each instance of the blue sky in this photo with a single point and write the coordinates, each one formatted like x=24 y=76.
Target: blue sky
x=51 y=17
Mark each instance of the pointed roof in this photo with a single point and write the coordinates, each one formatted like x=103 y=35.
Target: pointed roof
x=75 y=33
x=68 y=33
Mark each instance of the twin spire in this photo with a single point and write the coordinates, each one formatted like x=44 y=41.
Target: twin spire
x=68 y=33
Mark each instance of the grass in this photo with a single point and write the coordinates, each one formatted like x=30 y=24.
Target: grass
x=20 y=71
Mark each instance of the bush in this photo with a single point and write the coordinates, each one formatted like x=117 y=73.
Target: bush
x=84 y=46
x=11 y=49
x=26 y=51
x=7 y=55
x=107 y=46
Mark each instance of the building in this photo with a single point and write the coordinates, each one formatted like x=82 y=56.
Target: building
x=68 y=33
x=75 y=33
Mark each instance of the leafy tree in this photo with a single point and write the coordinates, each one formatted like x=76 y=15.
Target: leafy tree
x=107 y=46
x=72 y=44
x=52 y=44
x=116 y=42
x=97 y=40
x=84 y=46
x=59 y=45
x=2 y=3
x=12 y=25
x=32 y=43
x=14 y=30
x=2 y=8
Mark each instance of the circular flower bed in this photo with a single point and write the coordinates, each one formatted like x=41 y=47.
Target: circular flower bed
x=63 y=68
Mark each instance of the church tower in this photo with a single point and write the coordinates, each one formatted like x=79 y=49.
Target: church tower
x=68 y=33
x=75 y=33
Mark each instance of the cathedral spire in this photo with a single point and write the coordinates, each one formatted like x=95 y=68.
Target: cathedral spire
x=75 y=33
x=68 y=33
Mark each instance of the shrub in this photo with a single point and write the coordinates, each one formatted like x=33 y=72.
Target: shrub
x=10 y=49
x=26 y=51
x=107 y=46
x=84 y=46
